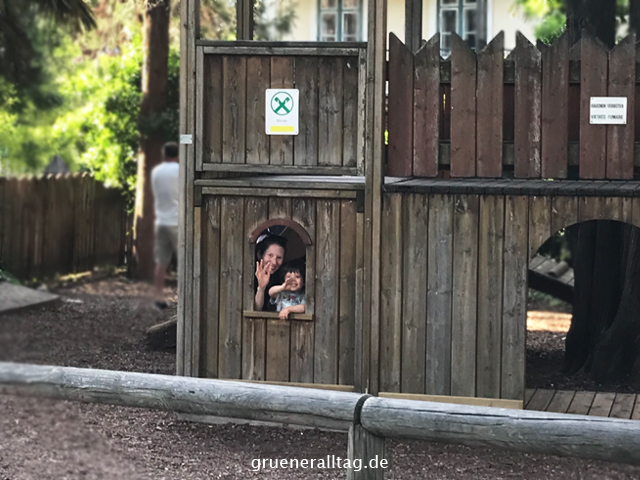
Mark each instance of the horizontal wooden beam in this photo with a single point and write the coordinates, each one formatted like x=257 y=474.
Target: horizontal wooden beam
x=317 y=386
x=550 y=286
x=510 y=72
x=508 y=153
x=278 y=169
x=305 y=317
x=477 y=401
x=278 y=192
x=598 y=438
x=280 y=50
x=505 y=186
x=287 y=181
x=198 y=396
x=272 y=44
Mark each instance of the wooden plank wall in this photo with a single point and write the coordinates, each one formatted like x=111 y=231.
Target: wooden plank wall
x=230 y=118
x=254 y=347
x=60 y=224
x=477 y=114
x=454 y=286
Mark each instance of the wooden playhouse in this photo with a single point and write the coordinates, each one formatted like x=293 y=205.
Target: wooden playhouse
x=416 y=251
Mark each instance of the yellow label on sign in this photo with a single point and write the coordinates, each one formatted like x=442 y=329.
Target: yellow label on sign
x=283 y=128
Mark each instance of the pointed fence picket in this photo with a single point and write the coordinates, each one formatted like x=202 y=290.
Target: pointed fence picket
x=479 y=114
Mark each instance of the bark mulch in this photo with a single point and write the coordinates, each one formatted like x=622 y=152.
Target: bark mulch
x=101 y=325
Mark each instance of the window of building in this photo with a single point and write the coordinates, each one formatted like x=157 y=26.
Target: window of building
x=294 y=241
x=457 y=16
x=340 y=20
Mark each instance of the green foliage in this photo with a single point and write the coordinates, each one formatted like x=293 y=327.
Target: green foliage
x=542 y=301
x=82 y=100
x=24 y=23
x=552 y=16
x=103 y=131
x=273 y=19
x=5 y=276
x=557 y=247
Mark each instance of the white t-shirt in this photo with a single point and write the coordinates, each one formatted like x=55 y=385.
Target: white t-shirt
x=164 y=183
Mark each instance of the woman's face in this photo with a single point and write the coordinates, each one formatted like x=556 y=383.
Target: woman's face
x=274 y=256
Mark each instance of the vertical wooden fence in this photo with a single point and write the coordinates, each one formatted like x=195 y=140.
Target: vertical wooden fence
x=526 y=115
x=60 y=224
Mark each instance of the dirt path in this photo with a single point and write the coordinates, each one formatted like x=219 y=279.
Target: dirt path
x=101 y=325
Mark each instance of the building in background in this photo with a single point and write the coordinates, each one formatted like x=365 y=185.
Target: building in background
x=345 y=21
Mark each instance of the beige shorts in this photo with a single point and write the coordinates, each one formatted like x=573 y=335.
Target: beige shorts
x=166 y=244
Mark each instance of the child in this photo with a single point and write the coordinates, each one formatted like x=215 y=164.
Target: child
x=289 y=297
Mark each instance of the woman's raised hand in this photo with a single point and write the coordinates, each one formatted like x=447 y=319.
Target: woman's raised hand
x=263 y=273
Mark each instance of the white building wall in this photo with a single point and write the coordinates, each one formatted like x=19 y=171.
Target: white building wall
x=502 y=15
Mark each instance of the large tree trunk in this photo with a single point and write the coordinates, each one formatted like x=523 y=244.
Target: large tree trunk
x=154 y=83
x=634 y=16
x=596 y=16
x=604 y=338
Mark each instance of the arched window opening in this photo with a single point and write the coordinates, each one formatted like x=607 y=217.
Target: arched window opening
x=280 y=247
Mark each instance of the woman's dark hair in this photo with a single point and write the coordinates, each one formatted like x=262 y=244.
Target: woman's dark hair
x=269 y=240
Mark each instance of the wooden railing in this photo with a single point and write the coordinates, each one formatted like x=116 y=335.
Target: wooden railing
x=523 y=116
x=369 y=419
x=60 y=224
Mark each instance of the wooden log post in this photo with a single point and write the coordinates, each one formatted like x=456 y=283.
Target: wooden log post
x=365 y=451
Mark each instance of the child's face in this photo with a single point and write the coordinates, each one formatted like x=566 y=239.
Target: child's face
x=294 y=281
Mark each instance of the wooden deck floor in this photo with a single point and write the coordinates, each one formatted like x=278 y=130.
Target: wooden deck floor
x=599 y=404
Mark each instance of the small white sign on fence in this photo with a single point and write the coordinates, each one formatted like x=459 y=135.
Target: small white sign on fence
x=608 y=111
x=281 y=111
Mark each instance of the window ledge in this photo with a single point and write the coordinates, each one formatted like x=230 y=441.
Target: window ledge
x=308 y=317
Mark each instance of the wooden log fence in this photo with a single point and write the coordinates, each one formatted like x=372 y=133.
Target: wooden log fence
x=61 y=224
x=369 y=419
x=526 y=115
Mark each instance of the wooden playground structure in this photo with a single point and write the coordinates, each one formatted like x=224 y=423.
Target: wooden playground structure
x=417 y=252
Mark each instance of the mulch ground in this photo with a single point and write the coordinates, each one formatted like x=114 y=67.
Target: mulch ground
x=101 y=325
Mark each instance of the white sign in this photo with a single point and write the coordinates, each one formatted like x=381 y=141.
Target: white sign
x=281 y=111
x=608 y=111
x=186 y=139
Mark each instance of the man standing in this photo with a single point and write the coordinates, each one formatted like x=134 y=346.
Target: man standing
x=164 y=183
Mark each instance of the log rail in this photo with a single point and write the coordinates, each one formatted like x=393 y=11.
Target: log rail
x=369 y=419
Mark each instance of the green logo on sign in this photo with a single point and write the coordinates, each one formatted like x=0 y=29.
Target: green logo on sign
x=281 y=103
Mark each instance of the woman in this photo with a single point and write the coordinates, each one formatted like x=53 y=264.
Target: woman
x=271 y=253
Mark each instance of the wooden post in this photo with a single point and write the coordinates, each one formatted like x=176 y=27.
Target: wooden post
x=186 y=335
x=413 y=24
x=374 y=156
x=244 y=16
x=365 y=450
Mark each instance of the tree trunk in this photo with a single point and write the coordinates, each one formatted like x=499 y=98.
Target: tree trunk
x=154 y=83
x=604 y=338
x=616 y=355
x=634 y=16
x=598 y=260
x=596 y=16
